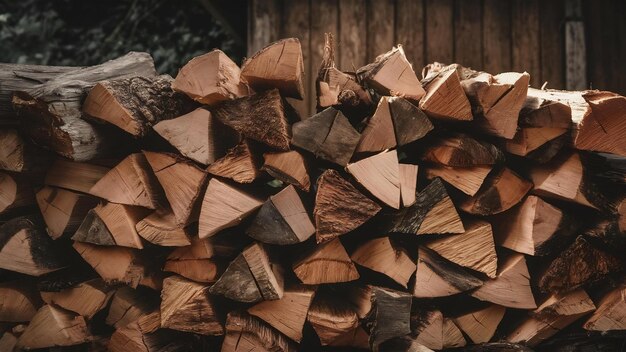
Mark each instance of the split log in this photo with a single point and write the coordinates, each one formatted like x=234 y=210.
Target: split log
x=247 y=333
x=134 y=338
x=472 y=249
x=113 y=264
x=210 y=78
x=182 y=184
x=380 y=175
x=380 y=255
x=427 y=329
x=445 y=98
x=331 y=318
x=75 y=176
x=460 y=150
x=326 y=263
x=339 y=207
x=15 y=192
x=197 y=135
x=135 y=104
x=529 y=139
x=224 y=206
x=63 y=210
x=19 y=155
x=20 y=301
x=409 y=122
x=8 y=339
x=282 y=220
x=580 y=264
x=432 y=213
x=534 y=227
x=162 y=228
x=356 y=338
x=129 y=306
x=26 y=248
x=328 y=135
x=611 y=312
x=51 y=112
x=290 y=167
x=241 y=164
x=186 y=306
x=94 y=230
x=260 y=117
x=204 y=270
x=480 y=325
x=379 y=134
x=112 y=225
x=552 y=316
x=389 y=317
x=452 y=335
x=437 y=277
x=218 y=246
x=392 y=74
x=500 y=191
x=85 y=299
x=52 y=327
x=251 y=277
x=287 y=314
x=467 y=180
x=278 y=65
x=603 y=129
x=408 y=183
x=130 y=182
x=540 y=111
x=511 y=286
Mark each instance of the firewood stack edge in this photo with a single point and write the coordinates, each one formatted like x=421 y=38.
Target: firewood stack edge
x=459 y=211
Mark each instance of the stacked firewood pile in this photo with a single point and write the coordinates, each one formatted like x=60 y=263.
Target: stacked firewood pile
x=203 y=213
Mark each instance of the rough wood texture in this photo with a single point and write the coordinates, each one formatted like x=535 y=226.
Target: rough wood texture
x=409 y=122
x=135 y=104
x=53 y=327
x=467 y=180
x=131 y=182
x=260 y=117
x=282 y=220
x=94 y=230
x=610 y=313
x=339 y=207
x=328 y=135
x=380 y=175
x=326 y=263
x=210 y=78
x=241 y=164
x=17 y=154
x=63 y=210
x=480 y=325
x=113 y=264
x=290 y=167
x=529 y=139
x=379 y=133
x=51 y=111
x=73 y=175
x=130 y=306
x=15 y=192
x=408 y=183
x=162 y=228
x=462 y=151
x=445 y=98
x=20 y=301
x=278 y=65
x=603 y=128
x=541 y=111
x=380 y=255
x=85 y=299
x=500 y=191
x=389 y=316
x=247 y=333
x=331 y=318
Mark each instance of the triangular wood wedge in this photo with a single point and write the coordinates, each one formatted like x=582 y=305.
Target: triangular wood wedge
x=16 y=193
x=610 y=314
x=379 y=133
x=205 y=270
x=472 y=249
x=528 y=139
x=461 y=150
x=339 y=206
x=466 y=179
x=408 y=183
x=290 y=167
x=129 y=306
x=187 y=306
x=380 y=255
x=282 y=220
x=452 y=335
x=26 y=248
x=379 y=174
x=480 y=325
x=552 y=316
x=182 y=183
x=224 y=206
x=409 y=122
x=63 y=210
x=328 y=135
x=197 y=135
x=85 y=299
x=287 y=314
x=445 y=98
x=331 y=318
x=432 y=213
x=541 y=111
x=121 y=220
x=603 y=130
x=392 y=74
x=511 y=287
x=239 y=164
x=113 y=264
x=278 y=65
x=162 y=228
x=94 y=230
x=326 y=263
x=130 y=182
x=260 y=117
x=53 y=327
x=437 y=277
x=259 y=336
x=500 y=191
x=429 y=329
x=20 y=301
x=251 y=277
x=210 y=78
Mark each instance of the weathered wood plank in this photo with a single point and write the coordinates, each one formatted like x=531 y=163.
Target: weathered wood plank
x=352 y=34
x=380 y=19
x=324 y=19
x=439 y=31
x=298 y=26
x=409 y=31
x=525 y=38
x=552 y=19
x=467 y=28
x=264 y=18
x=496 y=36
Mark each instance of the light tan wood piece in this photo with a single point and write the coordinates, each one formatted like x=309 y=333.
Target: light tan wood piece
x=15 y=192
x=500 y=191
x=224 y=206
x=467 y=180
x=240 y=164
x=603 y=130
x=452 y=335
x=258 y=335
x=63 y=210
x=528 y=139
x=480 y=325
x=430 y=330
x=113 y=264
x=85 y=299
x=437 y=277
x=331 y=318
x=379 y=133
x=379 y=174
x=52 y=327
x=290 y=167
x=408 y=183
x=445 y=98
x=199 y=270
x=380 y=255
x=75 y=176
x=129 y=306
x=326 y=263
x=17 y=154
x=611 y=312
x=20 y=301
x=121 y=220
x=461 y=150
x=161 y=228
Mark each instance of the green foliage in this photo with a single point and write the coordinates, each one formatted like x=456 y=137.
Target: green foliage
x=81 y=33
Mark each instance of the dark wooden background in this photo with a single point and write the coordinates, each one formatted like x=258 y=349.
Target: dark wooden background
x=572 y=44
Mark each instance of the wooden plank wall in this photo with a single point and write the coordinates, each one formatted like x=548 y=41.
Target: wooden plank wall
x=490 y=35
